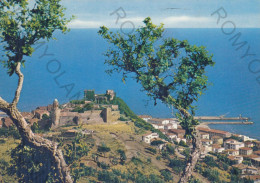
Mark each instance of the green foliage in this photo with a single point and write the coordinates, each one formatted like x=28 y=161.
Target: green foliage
x=157 y=142
x=31 y=165
x=2 y=141
x=158 y=157
x=172 y=71
x=136 y=160
x=22 y=25
x=187 y=153
x=122 y=156
x=103 y=165
x=45 y=117
x=224 y=158
x=103 y=149
x=212 y=175
x=75 y=150
x=9 y=132
x=170 y=149
x=167 y=175
x=86 y=107
x=152 y=150
x=182 y=143
x=90 y=95
x=77 y=101
x=177 y=165
x=209 y=160
x=108 y=177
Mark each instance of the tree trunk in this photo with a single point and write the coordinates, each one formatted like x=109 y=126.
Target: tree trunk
x=38 y=142
x=195 y=154
x=29 y=138
x=191 y=163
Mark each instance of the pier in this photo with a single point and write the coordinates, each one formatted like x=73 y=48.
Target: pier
x=224 y=120
x=229 y=122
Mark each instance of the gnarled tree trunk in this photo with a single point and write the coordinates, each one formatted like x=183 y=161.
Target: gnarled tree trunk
x=191 y=163
x=195 y=153
x=31 y=139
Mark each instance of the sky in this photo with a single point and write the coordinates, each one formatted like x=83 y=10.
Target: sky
x=172 y=13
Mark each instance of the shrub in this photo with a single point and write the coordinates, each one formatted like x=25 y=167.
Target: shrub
x=136 y=160
x=167 y=175
x=152 y=150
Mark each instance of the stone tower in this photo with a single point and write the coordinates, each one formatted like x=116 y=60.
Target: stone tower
x=111 y=94
x=55 y=114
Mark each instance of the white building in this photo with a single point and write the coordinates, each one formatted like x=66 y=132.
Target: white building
x=232 y=152
x=206 y=142
x=233 y=144
x=217 y=148
x=170 y=126
x=158 y=126
x=145 y=117
x=204 y=135
x=246 y=138
x=236 y=159
x=149 y=136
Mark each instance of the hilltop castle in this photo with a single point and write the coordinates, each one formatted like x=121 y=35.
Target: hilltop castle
x=100 y=112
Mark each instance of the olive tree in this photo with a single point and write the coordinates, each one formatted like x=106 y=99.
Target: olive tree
x=168 y=70
x=22 y=24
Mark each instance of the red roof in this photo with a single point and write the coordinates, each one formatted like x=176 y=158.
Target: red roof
x=212 y=131
x=245 y=148
x=144 y=116
x=27 y=115
x=177 y=131
x=216 y=137
x=257 y=152
x=7 y=122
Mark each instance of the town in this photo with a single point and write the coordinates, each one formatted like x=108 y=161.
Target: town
x=242 y=151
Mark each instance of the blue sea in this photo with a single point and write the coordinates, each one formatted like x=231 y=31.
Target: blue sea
x=63 y=68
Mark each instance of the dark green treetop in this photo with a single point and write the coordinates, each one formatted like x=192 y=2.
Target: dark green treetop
x=23 y=23
x=168 y=69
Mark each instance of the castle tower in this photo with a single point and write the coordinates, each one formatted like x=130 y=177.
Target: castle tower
x=55 y=114
x=111 y=94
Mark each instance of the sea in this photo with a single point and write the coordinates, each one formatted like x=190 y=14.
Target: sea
x=65 y=67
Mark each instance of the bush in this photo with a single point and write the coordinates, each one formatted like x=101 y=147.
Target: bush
x=209 y=160
x=152 y=150
x=103 y=165
x=136 y=160
x=103 y=149
x=107 y=176
x=170 y=149
x=9 y=132
x=182 y=143
x=167 y=175
x=2 y=141
x=177 y=165
x=158 y=157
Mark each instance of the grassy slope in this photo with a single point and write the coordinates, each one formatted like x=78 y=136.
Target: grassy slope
x=124 y=109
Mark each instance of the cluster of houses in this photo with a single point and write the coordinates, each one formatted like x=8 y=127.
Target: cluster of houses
x=238 y=148
x=168 y=126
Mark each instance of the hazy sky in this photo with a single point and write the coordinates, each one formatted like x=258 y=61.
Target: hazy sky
x=173 y=13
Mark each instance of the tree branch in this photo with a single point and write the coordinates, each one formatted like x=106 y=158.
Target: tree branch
x=20 y=84
x=3 y=105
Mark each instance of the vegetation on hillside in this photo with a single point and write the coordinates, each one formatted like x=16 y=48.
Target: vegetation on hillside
x=140 y=123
